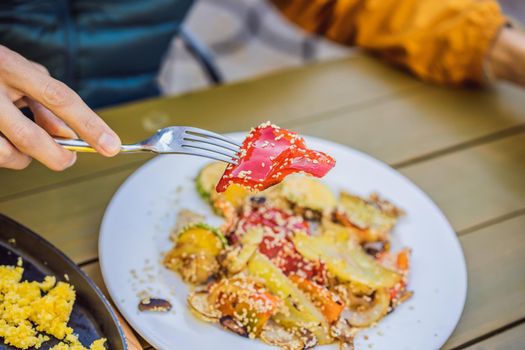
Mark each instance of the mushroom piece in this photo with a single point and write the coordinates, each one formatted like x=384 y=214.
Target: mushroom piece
x=154 y=304
x=375 y=248
x=257 y=201
x=231 y=324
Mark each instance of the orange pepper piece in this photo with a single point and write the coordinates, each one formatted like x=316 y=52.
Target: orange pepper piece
x=326 y=301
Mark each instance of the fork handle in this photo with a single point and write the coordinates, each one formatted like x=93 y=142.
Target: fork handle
x=82 y=146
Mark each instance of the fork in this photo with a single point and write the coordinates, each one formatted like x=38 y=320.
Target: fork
x=174 y=140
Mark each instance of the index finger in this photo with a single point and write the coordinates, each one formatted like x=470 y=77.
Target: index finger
x=65 y=104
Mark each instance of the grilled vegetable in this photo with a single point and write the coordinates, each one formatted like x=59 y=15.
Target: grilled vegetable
x=339 y=232
x=386 y=206
x=195 y=252
x=300 y=267
x=237 y=258
x=376 y=248
x=300 y=311
x=200 y=306
x=231 y=324
x=345 y=333
x=308 y=193
x=364 y=316
x=279 y=227
x=330 y=304
x=373 y=223
x=286 y=339
x=346 y=260
x=223 y=203
x=154 y=304
x=403 y=260
x=235 y=195
x=202 y=237
x=397 y=261
x=248 y=302
x=268 y=155
x=276 y=335
x=185 y=218
x=208 y=177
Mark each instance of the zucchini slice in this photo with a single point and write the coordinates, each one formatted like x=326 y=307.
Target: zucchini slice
x=307 y=192
x=346 y=260
x=185 y=218
x=208 y=177
x=202 y=236
x=223 y=203
x=300 y=311
x=195 y=253
x=202 y=229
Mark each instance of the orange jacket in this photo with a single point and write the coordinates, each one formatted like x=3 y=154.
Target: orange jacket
x=443 y=41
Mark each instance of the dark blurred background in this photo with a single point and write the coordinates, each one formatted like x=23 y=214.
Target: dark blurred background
x=515 y=8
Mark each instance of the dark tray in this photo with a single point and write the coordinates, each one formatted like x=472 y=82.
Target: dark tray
x=92 y=315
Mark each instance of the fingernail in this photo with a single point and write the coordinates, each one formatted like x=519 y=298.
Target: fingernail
x=73 y=160
x=109 y=143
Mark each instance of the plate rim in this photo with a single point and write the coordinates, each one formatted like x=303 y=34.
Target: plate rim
x=457 y=244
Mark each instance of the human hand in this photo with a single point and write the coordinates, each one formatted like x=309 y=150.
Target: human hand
x=58 y=111
x=506 y=58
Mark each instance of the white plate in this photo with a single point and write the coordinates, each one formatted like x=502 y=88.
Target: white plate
x=136 y=225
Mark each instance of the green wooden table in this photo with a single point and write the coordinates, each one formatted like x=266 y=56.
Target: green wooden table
x=465 y=148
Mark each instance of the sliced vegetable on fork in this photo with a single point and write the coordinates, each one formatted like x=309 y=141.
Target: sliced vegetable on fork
x=268 y=155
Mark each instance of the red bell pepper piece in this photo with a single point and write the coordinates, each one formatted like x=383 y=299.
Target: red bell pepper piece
x=268 y=155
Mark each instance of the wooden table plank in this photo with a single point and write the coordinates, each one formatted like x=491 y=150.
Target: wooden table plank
x=408 y=128
x=69 y=217
x=496 y=286
x=37 y=178
x=489 y=275
x=286 y=96
x=513 y=339
x=476 y=185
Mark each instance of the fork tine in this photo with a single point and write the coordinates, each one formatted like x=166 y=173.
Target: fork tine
x=202 y=132
x=204 y=147
x=209 y=155
x=218 y=143
x=211 y=148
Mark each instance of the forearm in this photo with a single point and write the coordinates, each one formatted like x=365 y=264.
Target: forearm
x=506 y=58
x=443 y=41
